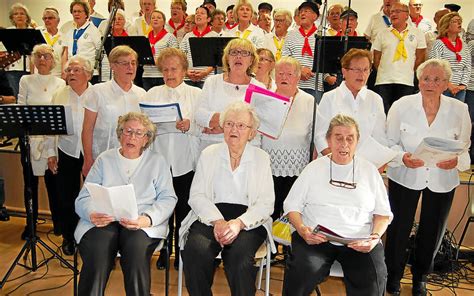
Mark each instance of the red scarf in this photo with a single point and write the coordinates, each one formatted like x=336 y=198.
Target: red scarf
x=199 y=35
x=340 y=34
x=417 y=21
x=306 y=47
x=123 y=34
x=454 y=48
x=229 y=26
x=154 y=39
x=175 y=30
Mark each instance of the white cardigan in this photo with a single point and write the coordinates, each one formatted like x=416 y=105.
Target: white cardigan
x=261 y=195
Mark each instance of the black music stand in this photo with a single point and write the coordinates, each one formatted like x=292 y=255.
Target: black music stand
x=208 y=51
x=24 y=121
x=333 y=48
x=21 y=40
x=138 y=43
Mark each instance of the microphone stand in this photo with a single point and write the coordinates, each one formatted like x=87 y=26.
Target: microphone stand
x=108 y=31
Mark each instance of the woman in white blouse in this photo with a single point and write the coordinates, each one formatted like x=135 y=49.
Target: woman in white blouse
x=231 y=202
x=345 y=194
x=243 y=12
x=179 y=148
x=239 y=61
x=410 y=119
x=68 y=160
x=289 y=154
x=105 y=102
x=38 y=89
x=266 y=64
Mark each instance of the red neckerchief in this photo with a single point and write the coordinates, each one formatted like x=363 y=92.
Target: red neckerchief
x=155 y=39
x=175 y=30
x=306 y=47
x=229 y=26
x=197 y=34
x=417 y=21
x=454 y=48
x=123 y=34
x=340 y=34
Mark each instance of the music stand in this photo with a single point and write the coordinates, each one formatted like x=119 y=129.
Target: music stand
x=333 y=49
x=138 y=43
x=208 y=51
x=21 y=40
x=24 y=121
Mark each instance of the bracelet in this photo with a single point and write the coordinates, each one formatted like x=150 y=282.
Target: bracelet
x=148 y=216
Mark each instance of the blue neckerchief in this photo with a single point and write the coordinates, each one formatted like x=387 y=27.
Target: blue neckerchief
x=76 y=35
x=96 y=20
x=387 y=20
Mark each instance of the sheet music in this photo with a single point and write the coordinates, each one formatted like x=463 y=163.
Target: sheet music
x=433 y=150
x=117 y=201
x=334 y=237
x=375 y=152
x=164 y=116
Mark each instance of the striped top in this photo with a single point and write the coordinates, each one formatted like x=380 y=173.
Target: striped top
x=470 y=85
x=167 y=41
x=461 y=70
x=293 y=47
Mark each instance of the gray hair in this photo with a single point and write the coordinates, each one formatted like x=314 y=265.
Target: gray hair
x=240 y=107
x=435 y=63
x=86 y=64
x=284 y=12
x=144 y=120
x=44 y=48
x=342 y=120
x=287 y=60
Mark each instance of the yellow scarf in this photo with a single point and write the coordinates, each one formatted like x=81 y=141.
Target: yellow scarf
x=279 y=47
x=146 y=29
x=50 y=41
x=400 y=51
x=245 y=35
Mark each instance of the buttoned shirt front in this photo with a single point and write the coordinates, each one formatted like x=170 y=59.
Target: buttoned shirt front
x=87 y=44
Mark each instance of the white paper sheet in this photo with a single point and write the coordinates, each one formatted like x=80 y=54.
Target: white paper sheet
x=164 y=116
x=375 y=152
x=433 y=150
x=117 y=201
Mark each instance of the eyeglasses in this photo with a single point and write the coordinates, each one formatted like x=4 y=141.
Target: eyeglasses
x=417 y=4
x=242 y=53
x=361 y=71
x=342 y=184
x=45 y=56
x=279 y=20
x=238 y=125
x=130 y=132
x=74 y=70
x=126 y=64
x=45 y=18
x=437 y=81
x=398 y=11
x=264 y=59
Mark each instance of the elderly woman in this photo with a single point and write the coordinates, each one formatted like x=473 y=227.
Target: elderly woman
x=354 y=99
x=412 y=118
x=239 y=61
x=53 y=37
x=265 y=67
x=346 y=194
x=218 y=22
x=84 y=37
x=159 y=39
x=38 y=89
x=289 y=154
x=450 y=47
x=243 y=12
x=101 y=236
x=275 y=41
x=231 y=202
x=105 y=102
x=180 y=148
x=68 y=160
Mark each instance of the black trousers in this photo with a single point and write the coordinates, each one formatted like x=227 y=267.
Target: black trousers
x=282 y=186
x=200 y=251
x=50 y=181
x=98 y=249
x=391 y=92
x=69 y=185
x=365 y=274
x=434 y=214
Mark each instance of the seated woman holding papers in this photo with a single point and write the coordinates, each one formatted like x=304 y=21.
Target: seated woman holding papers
x=100 y=236
x=346 y=194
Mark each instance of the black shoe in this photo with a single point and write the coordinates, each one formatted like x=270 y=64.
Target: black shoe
x=161 y=262
x=57 y=230
x=393 y=288
x=4 y=214
x=419 y=288
x=68 y=247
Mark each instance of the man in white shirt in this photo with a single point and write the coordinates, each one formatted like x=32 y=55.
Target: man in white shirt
x=416 y=19
x=398 y=51
x=275 y=41
x=380 y=20
x=334 y=19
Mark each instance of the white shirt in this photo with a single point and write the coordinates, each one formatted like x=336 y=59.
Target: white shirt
x=141 y=28
x=425 y=25
x=109 y=101
x=406 y=128
x=256 y=36
x=57 y=45
x=216 y=95
x=376 y=25
x=179 y=149
x=289 y=154
x=366 y=109
x=87 y=44
x=167 y=41
x=347 y=212
x=400 y=71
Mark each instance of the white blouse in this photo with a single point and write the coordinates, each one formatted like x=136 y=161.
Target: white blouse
x=289 y=154
x=406 y=128
x=179 y=149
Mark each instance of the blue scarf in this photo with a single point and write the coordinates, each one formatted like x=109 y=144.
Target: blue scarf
x=76 y=35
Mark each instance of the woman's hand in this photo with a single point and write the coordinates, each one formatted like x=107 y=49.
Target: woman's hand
x=220 y=227
x=306 y=73
x=183 y=125
x=412 y=163
x=140 y=222
x=311 y=238
x=101 y=220
x=366 y=245
x=448 y=164
x=233 y=229
x=53 y=164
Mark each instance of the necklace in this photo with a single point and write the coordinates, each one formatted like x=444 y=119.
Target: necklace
x=235 y=157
